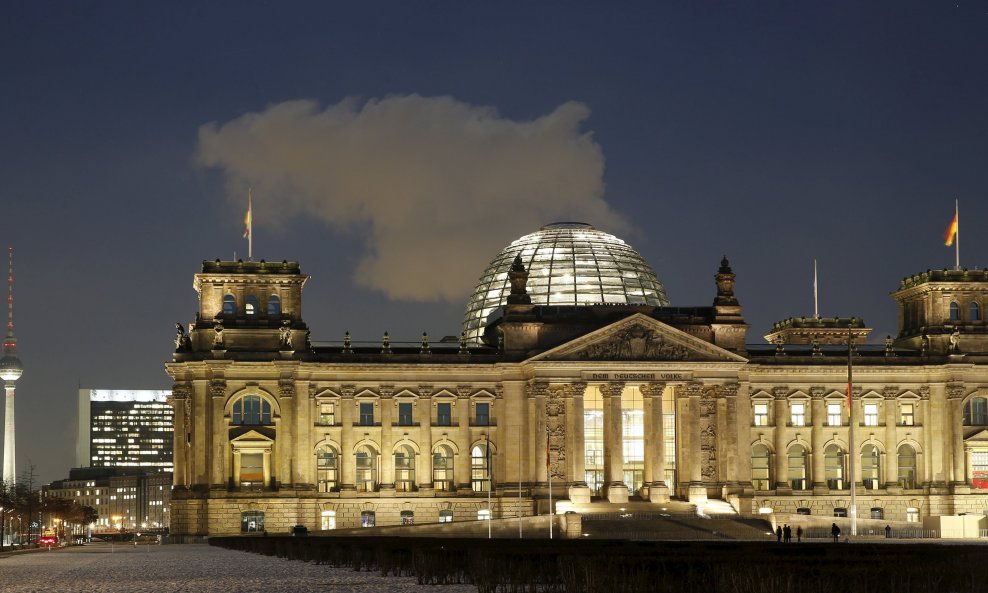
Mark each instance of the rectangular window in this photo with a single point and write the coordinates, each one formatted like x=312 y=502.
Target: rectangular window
x=871 y=414
x=366 y=414
x=833 y=414
x=798 y=414
x=906 y=415
x=912 y=514
x=483 y=414
x=761 y=414
x=444 y=414
x=405 y=414
x=327 y=414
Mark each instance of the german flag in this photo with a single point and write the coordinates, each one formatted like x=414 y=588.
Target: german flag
x=951 y=232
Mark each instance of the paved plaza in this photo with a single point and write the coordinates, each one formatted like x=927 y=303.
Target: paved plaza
x=186 y=568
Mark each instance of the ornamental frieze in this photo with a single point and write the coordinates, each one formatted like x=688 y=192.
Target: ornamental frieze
x=635 y=343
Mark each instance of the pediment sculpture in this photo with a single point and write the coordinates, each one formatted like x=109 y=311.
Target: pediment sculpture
x=636 y=343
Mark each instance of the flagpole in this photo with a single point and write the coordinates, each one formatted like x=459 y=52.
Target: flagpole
x=548 y=468
x=490 y=485
x=957 y=236
x=519 y=488
x=250 y=225
x=816 y=303
x=850 y=438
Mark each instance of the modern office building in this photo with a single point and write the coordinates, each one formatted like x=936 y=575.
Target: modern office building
x=125 y=499
x=130 y=428
x=574 y=371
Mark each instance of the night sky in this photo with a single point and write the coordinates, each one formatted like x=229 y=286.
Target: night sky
x=395 y=147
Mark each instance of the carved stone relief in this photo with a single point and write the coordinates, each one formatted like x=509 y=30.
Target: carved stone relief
x=708 y=434
x=635 y=343
x=555 y=418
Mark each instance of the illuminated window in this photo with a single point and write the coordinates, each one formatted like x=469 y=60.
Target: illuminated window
x=327 y=414
x=593 y=439
x=870 y=467
x=907 y=467
x=833 y=414
x=912 y=514
x=976 y=412
x=877 y=513
x=979 y=469
x=407 y=517
x=840 y=512
x=252 y=410
x=445 y=516
x=229 y=305
x=833 y=459
x=761 y=414
x=442 y=469
x=327 y=469
x=368 y=519
x=797 y=467
x=761 y=470
x=798 y=414
x=871 y=414
x=480 y=475
x=366 y=469
x=483 y=515
x=327 y=520
x=251 y=307
x=906 y=414
x=404 y=469
x=251 y=521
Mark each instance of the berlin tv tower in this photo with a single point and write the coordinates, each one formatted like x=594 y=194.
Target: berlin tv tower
x=10 y=372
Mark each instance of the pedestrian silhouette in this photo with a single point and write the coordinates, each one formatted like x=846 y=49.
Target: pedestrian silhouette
x=778 y=534
x=799 y=534
x=835 y=531
x=888 y=531
x=786 y=534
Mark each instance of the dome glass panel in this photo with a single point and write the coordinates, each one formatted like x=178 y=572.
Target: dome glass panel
x=568 y=263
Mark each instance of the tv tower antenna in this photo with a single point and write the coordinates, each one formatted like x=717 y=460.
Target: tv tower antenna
x=10 y=372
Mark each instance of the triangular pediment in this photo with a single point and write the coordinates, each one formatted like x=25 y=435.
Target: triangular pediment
x=639 y=338
x=979 y=437
x=251 y=437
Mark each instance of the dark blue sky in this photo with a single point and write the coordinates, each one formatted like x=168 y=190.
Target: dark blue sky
x=774 y=132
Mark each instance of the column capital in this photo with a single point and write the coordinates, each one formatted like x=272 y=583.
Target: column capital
x=386 y=391
x=780 y=392
x=611 y=388
x=728 y=390
x=181 y=391
x=577 y=389
x=425 y=390
x=890 y=391
x=537 y=388
x=217 y=387
x=955 y=390
x=691 y=389
x=464 y=391
x=347 y=391
x=817 y=392
x=652 y=389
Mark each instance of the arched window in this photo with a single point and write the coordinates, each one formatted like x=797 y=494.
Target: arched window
x=870 y=467
x=480 y=474
x=251 y=306
x=976 y=412
x=229 y=305
x=442 y=469
x=366 y=469
x=975 y=312
x=252 y=521
x=327 y=469
x=833 y=460
x=955 y=312
x=252 y=410
x=274 y=306
x=404 y=469
x=797 y=467
x=761 y=467
x=907 y=467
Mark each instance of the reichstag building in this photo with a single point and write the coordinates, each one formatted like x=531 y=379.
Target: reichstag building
x=573 y=370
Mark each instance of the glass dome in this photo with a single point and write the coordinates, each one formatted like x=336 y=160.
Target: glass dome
x=569 y=263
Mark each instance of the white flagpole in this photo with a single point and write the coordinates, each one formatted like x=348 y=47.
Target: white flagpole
x=519 y=490
x=957 y=236
x=490 y=484
x=850 y=434
x=816 y=304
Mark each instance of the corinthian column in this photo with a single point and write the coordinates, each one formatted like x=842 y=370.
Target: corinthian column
x=617 y=490
x=655 y=455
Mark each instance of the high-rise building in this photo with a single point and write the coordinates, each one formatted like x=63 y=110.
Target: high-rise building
x=10 y=372
x=125 y=428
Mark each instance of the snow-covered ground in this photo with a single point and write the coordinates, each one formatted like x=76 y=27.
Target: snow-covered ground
x=187 y=568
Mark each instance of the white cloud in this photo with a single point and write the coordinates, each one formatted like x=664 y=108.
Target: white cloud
x=434 y=186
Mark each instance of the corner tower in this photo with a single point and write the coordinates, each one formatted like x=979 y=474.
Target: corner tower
x=10 y=372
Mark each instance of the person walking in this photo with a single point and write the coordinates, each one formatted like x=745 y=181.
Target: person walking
x=888 y=531
x=799 y=534
x=786 y=534
x=835 y=531
x=778 y=534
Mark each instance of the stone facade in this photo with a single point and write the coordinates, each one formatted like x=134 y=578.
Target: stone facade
x=604 y=402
